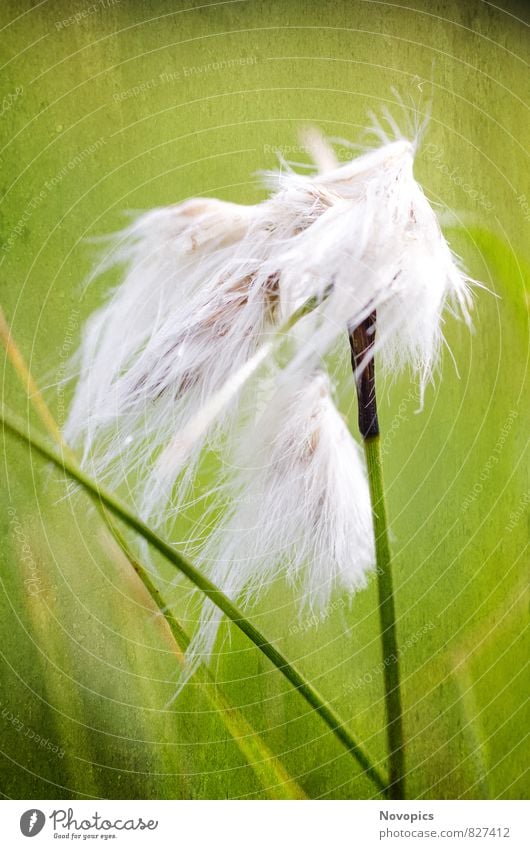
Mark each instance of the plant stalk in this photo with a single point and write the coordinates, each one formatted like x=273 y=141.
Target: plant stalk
x=108 y=500
x=362 y=339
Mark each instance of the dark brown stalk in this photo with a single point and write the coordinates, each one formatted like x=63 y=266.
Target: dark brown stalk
x=362 y=339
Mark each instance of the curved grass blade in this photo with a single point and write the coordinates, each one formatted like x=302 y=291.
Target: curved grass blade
x=273 y=776
x=290 y=672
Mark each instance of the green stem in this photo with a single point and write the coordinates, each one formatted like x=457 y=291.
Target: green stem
x=387 y=618
x=362 y=341
x=288 y=670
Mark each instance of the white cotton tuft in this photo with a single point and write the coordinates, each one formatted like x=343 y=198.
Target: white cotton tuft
x=163 y=252
x=381 y=246
x=201 y=292
x=191 y=310
x=299 y=507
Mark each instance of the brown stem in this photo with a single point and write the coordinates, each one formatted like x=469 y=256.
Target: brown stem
x=362 y=339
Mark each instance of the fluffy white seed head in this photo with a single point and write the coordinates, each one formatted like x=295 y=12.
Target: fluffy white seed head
x=163 y=362
x=205 y=283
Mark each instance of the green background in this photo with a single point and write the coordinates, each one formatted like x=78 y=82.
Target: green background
x=140 y=104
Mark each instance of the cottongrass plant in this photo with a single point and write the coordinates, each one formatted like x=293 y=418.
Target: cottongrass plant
x=165 y=362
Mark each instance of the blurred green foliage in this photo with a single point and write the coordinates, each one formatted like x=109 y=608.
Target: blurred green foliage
x=137 y=105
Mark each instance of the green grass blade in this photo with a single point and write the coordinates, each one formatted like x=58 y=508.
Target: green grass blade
x=109 y=500
x=273 y=776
